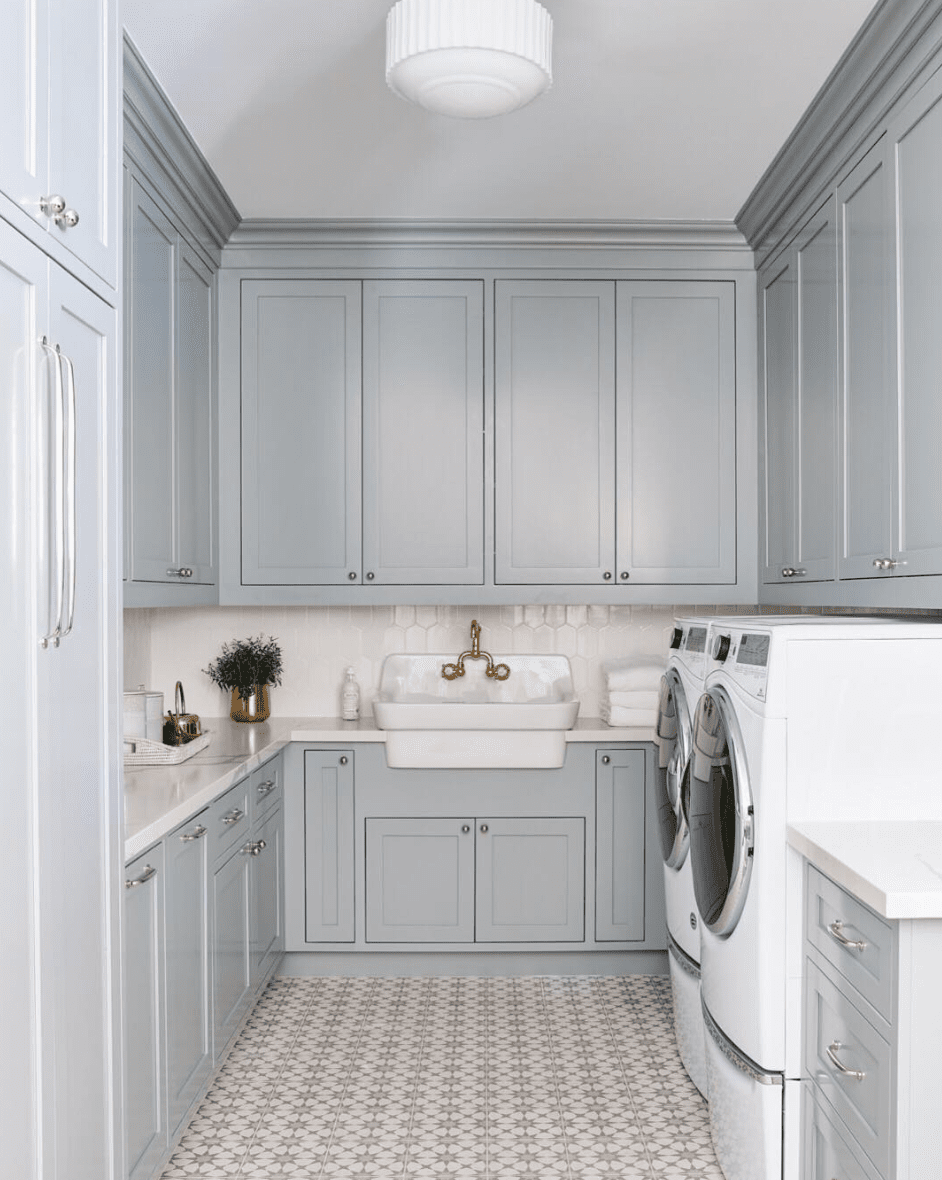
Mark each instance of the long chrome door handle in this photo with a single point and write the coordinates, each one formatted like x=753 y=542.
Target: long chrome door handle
x=71 y=532
x=857 y=1074
x=835 y=929
x=56 y=480
x=148 y=873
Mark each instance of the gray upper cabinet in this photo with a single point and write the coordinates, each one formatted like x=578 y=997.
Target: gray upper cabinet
x=58 y=80
x=865 y=238
x=423 y=423
x=170 y=407
x=798 y=379
x=675 y=431
x=301 y=463
x=554 y=416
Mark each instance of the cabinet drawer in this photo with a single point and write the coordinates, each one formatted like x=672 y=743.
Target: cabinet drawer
x=267 y=786
x=828 y=1152
x=852 y=939
x=231 y=817
x=850 y=1062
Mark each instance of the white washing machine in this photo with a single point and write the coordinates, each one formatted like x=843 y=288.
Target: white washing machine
x=680 y=690
x=800 y=719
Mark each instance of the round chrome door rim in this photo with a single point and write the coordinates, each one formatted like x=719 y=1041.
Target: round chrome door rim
x=676 y=769
x=744 y=841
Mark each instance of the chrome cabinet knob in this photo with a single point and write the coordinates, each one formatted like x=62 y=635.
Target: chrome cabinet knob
x=343 y=759
x=607 y=575
x=605 y=760
x=370 y=576
x=624 y=575
x=351 y=577
x=484 y=828
x=791 y=572
x=887 y=563
x=183 y=572
x=466 y=828
x=54 y=206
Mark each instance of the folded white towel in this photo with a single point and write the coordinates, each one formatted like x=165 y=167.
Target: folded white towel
x=622 y=675
x=619 y=715
x=635 y=699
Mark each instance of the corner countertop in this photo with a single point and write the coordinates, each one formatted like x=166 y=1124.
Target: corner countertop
x=159 y=798
x=893 y=866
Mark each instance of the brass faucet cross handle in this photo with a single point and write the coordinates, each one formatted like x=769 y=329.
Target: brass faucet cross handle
x=495 y=671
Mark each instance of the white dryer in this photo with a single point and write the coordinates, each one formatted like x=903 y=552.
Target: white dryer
x=680 y=690
x=799 y=719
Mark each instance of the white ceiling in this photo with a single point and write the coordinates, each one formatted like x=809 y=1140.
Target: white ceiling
x=660 y=109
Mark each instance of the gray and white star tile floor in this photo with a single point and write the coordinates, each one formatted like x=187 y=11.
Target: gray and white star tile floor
x=564 y=1078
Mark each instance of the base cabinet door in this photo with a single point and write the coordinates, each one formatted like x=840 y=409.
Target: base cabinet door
x=530 y=880
x=188 y=1001
x=268 y=923
x=620 y=846
x=146 y=1134
x=420 y=880
x=328 y=846
x=232 y=892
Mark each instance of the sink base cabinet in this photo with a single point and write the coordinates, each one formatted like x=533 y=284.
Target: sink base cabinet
x=465 y=860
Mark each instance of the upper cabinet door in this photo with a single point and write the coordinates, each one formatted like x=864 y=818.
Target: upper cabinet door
x=916 y=147
x=554 y=447
x=777 y=375
x=865 y=236
x=59 y=104
x=676 y=432
x=301 y=468
x=423 y=423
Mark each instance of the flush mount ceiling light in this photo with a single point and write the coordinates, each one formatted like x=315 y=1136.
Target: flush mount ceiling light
x=470 y=59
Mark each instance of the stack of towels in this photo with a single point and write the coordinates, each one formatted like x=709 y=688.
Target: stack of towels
x=632 y=691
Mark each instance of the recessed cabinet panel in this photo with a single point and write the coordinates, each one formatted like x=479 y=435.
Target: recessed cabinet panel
x=530 y=880
x=24 y=94
x=620 y=846
x=423 y=422
x=232 y=980
x=676 y=432
x=777 y=313
x=555 y=402
x=268 y=924
x=328 y=846
x=301 y=381
x=918 y=176
x=866 y=278
x=419 y=880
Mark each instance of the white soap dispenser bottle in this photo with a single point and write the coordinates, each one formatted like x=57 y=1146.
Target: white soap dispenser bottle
x=350 y=698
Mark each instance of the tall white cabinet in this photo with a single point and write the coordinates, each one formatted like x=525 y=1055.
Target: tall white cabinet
x=60 y=1107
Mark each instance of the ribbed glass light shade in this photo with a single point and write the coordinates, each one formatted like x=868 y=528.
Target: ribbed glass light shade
x=470 y=59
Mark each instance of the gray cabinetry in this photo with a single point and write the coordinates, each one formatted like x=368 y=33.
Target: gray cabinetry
x=145 y=1108
x=620 y=840
x=169 y=419
x=798 y=380
x=188 y=1000
x=267 y=927
x=475 y=880
x=328 y=851
x=554 y=417
x=58 y=135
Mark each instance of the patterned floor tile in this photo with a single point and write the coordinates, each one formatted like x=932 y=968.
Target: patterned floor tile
x=576 y=1078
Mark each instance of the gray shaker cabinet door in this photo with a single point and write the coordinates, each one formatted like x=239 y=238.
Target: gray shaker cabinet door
x=189 y=1034
x=865 y=235
x=676 y=433
x=916 y=141
x=554 y=414
x=268 y=920
x=149 y=339
x=530 y=880
x=193 y=425
x=420 y=880
x=301 y=390
x=778 y=379
x=423 y=423
x=620 y=846
x=328 y=846
x=146 y=1116
x=232 y=905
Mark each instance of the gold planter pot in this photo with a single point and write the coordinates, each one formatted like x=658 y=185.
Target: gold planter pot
x=251 y=708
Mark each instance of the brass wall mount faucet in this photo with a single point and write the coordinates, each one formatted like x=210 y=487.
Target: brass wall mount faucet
x=495 y=671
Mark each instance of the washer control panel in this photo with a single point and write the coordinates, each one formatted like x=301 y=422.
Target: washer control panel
x=743 y=655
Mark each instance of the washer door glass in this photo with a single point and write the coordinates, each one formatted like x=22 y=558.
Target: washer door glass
x=673 y=753
x=721 y=813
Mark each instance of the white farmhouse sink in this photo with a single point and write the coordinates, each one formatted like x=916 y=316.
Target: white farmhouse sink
x=475 y=721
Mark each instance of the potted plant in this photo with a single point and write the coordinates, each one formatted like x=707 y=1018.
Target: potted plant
x=246 y=668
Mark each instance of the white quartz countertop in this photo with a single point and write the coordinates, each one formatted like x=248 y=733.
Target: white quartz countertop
x=893 y=866
x=159 y=798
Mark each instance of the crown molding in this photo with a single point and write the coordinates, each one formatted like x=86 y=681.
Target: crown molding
x=889 y=57
x=714 y=236
x=156 y=138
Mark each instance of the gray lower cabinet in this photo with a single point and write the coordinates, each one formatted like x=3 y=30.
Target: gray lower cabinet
x=475 y=880
x=188 y=1000
x=146 y=1132
x=267 y=929
x=648 y=366
x=620 y=844
x=328 y=848
x=169 y=407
